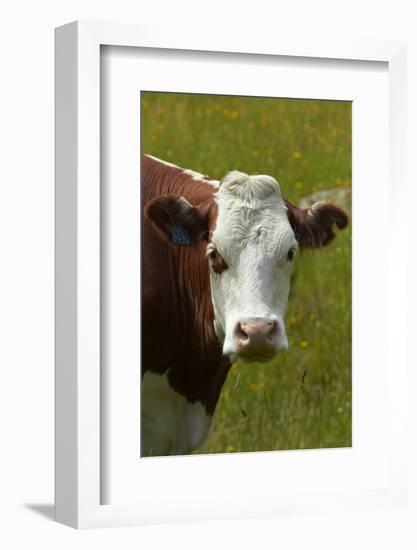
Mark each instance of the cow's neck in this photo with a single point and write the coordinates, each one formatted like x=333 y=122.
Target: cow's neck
x=201 y=368
x=188 y=351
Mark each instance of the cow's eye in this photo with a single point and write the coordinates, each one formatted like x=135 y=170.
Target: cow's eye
x=291 y=254
x=217 y=262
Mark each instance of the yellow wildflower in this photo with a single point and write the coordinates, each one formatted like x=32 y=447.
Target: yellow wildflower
x=257 y=386
x=265 y=120
x=303 y=344
x=297 y=155
x=230 y=449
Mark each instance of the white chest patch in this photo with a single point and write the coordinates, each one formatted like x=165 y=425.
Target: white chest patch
x=170 y=424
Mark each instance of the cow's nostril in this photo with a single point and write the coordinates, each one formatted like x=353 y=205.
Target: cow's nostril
x=273 y=331
x=240 y=333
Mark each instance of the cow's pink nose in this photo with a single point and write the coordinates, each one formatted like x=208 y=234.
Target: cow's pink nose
x=256 y=337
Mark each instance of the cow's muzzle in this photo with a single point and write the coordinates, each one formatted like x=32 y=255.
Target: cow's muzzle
x=256 y=338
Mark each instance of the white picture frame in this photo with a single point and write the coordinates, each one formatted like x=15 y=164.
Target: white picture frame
x=78 y=406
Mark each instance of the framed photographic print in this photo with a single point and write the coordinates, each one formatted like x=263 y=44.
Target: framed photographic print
x=227 y=344
x=227 y=285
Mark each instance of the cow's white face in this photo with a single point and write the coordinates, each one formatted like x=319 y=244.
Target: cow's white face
x=251 y=253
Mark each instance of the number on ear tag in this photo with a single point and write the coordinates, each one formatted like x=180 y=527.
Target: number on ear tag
x=180 y=235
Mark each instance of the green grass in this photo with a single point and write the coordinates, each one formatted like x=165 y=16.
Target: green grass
x=303 y=399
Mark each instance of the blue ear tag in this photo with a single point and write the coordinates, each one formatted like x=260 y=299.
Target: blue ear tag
x=180 y=235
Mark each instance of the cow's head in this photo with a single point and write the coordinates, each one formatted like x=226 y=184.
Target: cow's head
x=253 y=238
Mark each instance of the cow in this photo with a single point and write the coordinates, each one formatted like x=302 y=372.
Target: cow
x=216 y=263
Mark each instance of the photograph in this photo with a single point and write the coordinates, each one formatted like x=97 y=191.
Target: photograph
x=246 y=273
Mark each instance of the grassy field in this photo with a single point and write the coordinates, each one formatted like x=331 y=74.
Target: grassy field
x=303 y=399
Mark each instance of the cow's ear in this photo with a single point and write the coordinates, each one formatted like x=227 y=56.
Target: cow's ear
x=315 y=226
x=176 y=220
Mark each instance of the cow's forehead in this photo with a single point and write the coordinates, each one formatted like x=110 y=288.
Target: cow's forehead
x=251 y=209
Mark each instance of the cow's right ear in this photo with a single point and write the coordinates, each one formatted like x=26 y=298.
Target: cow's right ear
x=178 y=221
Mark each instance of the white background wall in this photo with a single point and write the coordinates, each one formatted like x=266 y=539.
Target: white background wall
x=26 y=269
